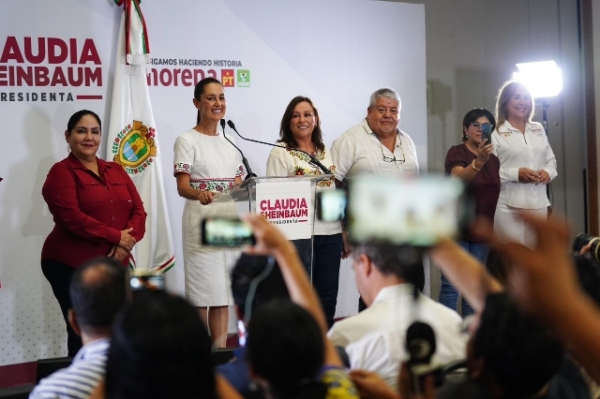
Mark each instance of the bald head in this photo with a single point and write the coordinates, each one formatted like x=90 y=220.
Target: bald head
x=98 y=291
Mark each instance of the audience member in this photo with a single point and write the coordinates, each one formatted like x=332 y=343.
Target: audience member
x=254 y=281
x=374 y=339
x=286 y=351
x=99 y=289
x=511 y=331
x=512 y=355
x=292 y=368
x=544 y=284
x=160 y=349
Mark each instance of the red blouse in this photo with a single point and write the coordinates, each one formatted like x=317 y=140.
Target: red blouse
x=90 y=211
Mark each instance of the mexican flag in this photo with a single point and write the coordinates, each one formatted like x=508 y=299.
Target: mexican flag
x=133 y=139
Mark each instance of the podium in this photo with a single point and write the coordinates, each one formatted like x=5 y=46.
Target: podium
x=287 y=202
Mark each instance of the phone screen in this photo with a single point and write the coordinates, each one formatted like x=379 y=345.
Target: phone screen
x=331 y=205
x=486 y=133
x=415 y=212
x=147 y=281
x=225 y=232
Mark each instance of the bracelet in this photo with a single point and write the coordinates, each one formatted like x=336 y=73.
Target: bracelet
x=475 y=167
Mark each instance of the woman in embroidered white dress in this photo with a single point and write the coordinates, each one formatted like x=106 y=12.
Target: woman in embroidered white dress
x=206 y=164
x=527 y=163
x=301 y=128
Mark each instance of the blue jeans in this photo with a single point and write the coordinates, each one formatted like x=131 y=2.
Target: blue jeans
x=448 y=294
x=326 y=256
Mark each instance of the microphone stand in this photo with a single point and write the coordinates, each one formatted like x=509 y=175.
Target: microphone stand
x=250 y=174
x=313 y=159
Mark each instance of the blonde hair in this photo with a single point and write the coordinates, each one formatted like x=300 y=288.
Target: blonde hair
x=504 y=95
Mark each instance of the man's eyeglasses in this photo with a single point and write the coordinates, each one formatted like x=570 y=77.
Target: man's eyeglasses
x=393 y=159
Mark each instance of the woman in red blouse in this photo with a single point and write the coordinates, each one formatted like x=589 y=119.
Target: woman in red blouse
x=96 y=208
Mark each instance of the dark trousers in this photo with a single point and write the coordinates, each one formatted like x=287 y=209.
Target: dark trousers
x=326 y=256
x=59 y=276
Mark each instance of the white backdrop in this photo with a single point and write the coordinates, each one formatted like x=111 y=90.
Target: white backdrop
x=337 y=52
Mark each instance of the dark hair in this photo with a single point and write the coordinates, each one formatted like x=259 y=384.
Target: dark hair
x=98 y=291
x=519 y=353
x=159 y=349
x=403 y=261
x=475 y=114
x=246 y=269
x=285 y=347
x=285 y=133
x=588 y=273
x=76 y=117
x=199 y=91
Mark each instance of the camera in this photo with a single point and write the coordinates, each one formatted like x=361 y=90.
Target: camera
x=582 y=240
x=226 y=232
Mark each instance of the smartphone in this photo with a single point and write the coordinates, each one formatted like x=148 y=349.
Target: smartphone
x=226 y=232
x=331 y=205
x=486 y=133
x=416 y=212
x=143 y=279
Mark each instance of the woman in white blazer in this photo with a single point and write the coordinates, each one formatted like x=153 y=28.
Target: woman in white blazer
x=527 y=163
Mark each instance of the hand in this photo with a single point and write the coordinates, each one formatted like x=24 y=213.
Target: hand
x=528 y=176
x=371 y=385
x=407 y=390
x=268 y=238
x=206 y=197
x=544 y=177
x=347 y=250
x=118 y=253
x=483 y=152
x=127 y=241
x=586 y=248
x=237 y=181
x=542 y=280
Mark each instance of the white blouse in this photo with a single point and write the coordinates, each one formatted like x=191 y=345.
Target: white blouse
x=523 y=150
x=284 y=161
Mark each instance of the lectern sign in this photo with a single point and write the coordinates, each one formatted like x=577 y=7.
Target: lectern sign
x=288 y=206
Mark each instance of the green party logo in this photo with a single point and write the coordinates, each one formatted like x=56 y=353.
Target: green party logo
x=243 y=78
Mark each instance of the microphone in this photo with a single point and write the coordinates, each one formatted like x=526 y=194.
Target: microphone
x=420 y=342
x=313 y=159
x=244 y=160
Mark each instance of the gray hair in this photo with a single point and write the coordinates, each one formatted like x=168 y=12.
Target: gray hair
x=390 y=259
x=387 y=93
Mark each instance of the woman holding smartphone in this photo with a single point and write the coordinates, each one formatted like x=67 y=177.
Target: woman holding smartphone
x=301 y=129
x=474 y=162
x=527 y=163
x=206 y=164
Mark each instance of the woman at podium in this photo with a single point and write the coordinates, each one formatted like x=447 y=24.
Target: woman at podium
x=206 y=164
x=301 y=129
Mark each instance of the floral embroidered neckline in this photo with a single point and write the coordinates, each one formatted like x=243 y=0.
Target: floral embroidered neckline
x=320 y=155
